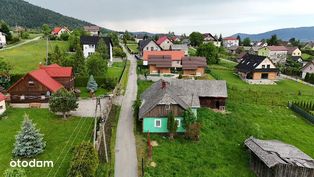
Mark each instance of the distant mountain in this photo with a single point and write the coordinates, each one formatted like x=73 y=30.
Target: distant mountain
x=21 y=13
x=304 y=34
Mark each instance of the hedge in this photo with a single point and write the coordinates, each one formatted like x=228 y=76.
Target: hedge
x=103 y=82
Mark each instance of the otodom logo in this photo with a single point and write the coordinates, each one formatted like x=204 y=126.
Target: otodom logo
x=32 y=164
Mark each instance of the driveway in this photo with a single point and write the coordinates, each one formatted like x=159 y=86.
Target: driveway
x=87 y=108
x=22 y=43
x=126 y=158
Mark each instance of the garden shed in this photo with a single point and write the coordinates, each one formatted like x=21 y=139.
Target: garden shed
x=272 y=158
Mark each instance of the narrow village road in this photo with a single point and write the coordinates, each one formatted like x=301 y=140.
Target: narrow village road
x=20 y=44
x=126 y=158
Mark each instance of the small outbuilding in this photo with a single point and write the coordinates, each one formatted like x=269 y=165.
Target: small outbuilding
x=272 y=158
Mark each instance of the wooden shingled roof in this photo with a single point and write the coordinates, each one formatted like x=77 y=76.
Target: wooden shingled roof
x=193 y=62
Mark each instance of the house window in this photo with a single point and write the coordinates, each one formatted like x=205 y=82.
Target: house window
x=263 y=66
x=22 y=97
x=146 y=48
x=179 y=122
x=167 y=107
x=1 y=107
x=31 y=83
x=152 y=48
x=43 y=97
x=158 y=123
x=268 y=66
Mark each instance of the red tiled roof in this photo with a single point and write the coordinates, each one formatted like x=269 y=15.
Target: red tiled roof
x=55 y=70
x=56 y=30
x=2 y=97
x=230 y=39
x=277 y=48
x=175 y=55
x=162 y=39
x=42 y=76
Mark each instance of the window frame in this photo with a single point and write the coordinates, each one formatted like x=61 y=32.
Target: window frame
x=155 y=123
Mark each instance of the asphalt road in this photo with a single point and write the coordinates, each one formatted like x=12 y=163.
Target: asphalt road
x=126 y=158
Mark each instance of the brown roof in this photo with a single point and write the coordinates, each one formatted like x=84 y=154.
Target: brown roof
x=291 y=49
x=277 y=48
x=175 y=55
x=92 y=28
x=193 y=62
x=160 y=61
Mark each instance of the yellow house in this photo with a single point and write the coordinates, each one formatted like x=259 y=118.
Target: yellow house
x=294 y=51
x=277 y=54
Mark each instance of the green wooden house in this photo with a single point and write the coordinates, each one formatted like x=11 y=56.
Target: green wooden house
x=177 y=96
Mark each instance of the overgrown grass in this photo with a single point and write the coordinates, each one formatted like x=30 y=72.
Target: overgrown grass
x=57 y=133
x=27 y=57
x=252 y=110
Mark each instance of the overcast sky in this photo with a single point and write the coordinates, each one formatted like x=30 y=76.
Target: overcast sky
x=184 y=16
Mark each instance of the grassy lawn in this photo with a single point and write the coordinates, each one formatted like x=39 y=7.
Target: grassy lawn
x=85 y=94
x=116 y=70
x=252 y=110
x=133 y=48
x=57 y=134
x=27 y=57
x=307 y=57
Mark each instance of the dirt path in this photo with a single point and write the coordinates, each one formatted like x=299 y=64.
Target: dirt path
x=126 y=158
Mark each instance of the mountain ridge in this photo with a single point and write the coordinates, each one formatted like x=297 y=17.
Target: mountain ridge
x=304 y=34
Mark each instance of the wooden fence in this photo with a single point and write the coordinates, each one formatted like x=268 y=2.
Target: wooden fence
x=302 y=112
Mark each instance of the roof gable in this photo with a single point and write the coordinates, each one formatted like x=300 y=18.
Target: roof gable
x=250 y=62
x=2 y=97
x=162 y=39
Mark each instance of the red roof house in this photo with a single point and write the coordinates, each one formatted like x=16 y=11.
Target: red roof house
x=57 y=31
x=175 y=55
x=38 y=85
x=164 y=42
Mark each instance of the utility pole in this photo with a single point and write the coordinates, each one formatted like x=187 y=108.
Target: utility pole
x=47 y=50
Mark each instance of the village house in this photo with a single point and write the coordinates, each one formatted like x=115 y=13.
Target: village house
x=38 y=85
x=3 y=41
x=209 y=38
x=58 y=31
x=309 y=45
x=175 y=39
x=90 y=44
x=148 y=45
x=177 y=96
x=164 y=42
x=308 y=68
x=176 y=57
x=230 y=42
x=257 y=69
x=272 y=158
x=294 y=51
x=194 y=66
x=159 y=64
x=181 y=47
x=277 y=54
x=2 y=103
x=92 y=30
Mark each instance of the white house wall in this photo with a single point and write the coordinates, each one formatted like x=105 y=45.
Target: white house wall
x=265 y=63
x=2 y=107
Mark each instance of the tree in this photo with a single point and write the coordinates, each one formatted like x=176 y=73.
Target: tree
x=6 y=30
x=96 y=65
x=73 y=41
x=273 y=40
x=295 y=42
x=63 y=101
x=84 y=162
x=240 y=41
x=118 y=52
x=29 y=142
x=79 y=62
x=172 y=125
x=102 y=49
x=92 y=85
x=220 y=37
x=189 y=118
x=196 y=39
x=209 y=51
x=57 y=56
x=14 y=172
x=191 y=125
x=114 y=37
x=246 y=42
x=5 y=69
x=46 y=29
x=64 y=36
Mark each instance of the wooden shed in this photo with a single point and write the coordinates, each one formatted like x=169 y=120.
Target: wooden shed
x=272 y=158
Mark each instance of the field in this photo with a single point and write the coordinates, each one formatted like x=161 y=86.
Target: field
x=259 y=111
x=133 y=48
x=61 y=136
x=27 y=57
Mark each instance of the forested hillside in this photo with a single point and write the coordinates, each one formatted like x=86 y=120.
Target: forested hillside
x=21 y=13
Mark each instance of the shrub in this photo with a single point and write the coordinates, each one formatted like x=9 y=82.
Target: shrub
x=84 y=162
x=29 y=141
x=15 y=172
x=92 y=85
x=63 y=101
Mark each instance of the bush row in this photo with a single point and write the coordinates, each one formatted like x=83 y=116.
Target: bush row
x=103 y=82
